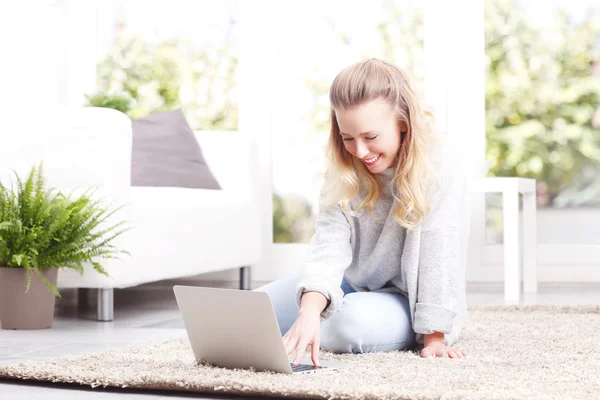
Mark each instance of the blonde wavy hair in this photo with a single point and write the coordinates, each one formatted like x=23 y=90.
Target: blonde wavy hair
x=347 y=176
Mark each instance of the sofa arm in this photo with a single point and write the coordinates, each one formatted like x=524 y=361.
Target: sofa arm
x=233 y=159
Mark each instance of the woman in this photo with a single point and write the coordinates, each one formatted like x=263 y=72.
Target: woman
x=383 y=272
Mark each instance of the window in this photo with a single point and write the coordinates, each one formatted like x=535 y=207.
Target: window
x=162 y=55
x=543 y=112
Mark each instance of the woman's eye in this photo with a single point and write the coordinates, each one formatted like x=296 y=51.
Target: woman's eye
x=372 y=137
x=348 y=139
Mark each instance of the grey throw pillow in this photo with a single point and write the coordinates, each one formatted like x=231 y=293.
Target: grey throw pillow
x=165 y=153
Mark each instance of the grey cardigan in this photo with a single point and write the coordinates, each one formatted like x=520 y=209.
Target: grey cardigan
x=374 y=253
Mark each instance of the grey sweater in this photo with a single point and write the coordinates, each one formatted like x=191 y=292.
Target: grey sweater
x=374 y=253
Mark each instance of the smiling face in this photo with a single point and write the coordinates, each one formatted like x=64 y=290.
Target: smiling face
x=371 y=132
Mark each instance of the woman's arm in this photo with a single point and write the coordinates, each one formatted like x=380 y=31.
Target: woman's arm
x=437 y=297
x=439 y=267
x=329 y=255
x=434 y=337
x=312 y=302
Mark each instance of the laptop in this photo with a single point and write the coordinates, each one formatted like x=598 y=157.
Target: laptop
x=233 y=328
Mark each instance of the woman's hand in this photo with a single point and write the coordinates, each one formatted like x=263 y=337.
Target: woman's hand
x=435 y=346
x=306 y=330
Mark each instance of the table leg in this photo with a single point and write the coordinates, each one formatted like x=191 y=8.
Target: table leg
x=529 y=243
x=512 y=276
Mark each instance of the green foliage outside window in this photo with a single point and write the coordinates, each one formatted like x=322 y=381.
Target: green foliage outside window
x=117 y=101
x=174 y=74
x=543 y=102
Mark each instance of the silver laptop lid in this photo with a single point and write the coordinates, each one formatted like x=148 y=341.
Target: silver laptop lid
x=232 y=328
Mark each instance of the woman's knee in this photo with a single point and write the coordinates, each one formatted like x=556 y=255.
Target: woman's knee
x=344 y=331
x=282 y=294
x=361 y=327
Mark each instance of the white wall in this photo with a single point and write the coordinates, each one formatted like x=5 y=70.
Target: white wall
x=48 y=52
x=31 y=71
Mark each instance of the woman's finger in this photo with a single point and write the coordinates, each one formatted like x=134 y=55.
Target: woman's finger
x=315 y=350
x=291 y=344
x=300 y=349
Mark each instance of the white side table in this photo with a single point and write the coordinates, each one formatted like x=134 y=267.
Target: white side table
x=510 y=189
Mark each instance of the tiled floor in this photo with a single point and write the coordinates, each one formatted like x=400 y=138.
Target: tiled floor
x=146 y=314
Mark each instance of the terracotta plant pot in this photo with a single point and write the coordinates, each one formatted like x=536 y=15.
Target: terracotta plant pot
x=31 y=310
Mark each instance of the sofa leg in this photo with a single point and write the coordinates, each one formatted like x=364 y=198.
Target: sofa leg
x=105 y=305
x=82 y=299
x=245 y=278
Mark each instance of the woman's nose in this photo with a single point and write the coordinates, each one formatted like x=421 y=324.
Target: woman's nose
x=361 y=149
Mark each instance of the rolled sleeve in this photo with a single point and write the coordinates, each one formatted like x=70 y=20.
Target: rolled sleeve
x=332 y=293
x=431 y=318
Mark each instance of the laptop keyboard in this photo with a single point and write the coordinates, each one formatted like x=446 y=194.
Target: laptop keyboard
x=304 y=367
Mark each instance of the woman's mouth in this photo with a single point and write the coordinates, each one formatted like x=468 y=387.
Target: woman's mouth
x=371 y=161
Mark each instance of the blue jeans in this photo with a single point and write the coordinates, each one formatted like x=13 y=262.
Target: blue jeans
x=365 y=322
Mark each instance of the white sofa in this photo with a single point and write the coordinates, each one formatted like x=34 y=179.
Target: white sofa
x=177 y=232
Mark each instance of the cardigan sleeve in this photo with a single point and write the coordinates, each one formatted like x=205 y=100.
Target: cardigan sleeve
x=329 y=255
x=437 y=286
x=439 y=251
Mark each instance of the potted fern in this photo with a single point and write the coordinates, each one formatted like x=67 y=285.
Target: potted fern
x=41 y=231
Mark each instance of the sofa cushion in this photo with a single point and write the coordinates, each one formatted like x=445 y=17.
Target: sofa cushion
x=165 y=153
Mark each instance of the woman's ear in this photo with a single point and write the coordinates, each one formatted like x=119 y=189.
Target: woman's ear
x=403 y=126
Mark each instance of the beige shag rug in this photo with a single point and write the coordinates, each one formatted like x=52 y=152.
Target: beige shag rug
x=517 y=352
